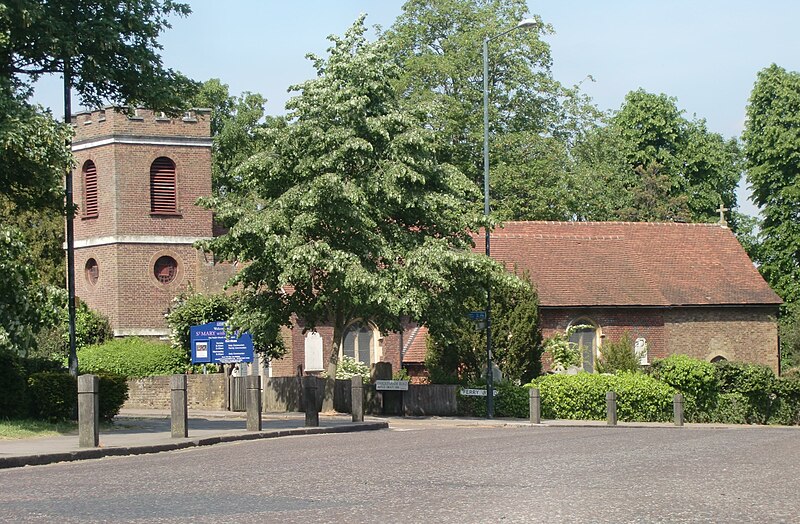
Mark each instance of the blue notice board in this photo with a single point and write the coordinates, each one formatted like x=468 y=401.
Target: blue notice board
x=211 y=346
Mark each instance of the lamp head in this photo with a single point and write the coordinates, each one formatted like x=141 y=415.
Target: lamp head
x=527 y=22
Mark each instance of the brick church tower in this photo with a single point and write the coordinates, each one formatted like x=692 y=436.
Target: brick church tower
x=136 y=181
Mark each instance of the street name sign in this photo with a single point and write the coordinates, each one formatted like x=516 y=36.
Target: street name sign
x=391 y=385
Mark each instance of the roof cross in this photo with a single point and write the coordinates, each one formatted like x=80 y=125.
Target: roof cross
x=721 y=212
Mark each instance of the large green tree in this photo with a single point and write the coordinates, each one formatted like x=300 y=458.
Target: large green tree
x=533 y=119
x=772 y=148
x=349 y=214
x=650 y=163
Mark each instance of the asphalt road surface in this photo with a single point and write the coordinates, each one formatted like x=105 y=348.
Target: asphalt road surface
x=429 y=472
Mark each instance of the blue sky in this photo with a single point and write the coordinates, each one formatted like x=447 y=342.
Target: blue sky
x=705 y=53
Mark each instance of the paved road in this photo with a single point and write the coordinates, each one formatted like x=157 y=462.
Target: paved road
x=433 y=472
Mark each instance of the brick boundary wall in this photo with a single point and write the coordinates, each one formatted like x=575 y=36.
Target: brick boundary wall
x=203 y=392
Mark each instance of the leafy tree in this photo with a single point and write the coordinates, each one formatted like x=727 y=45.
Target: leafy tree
x=533 y=119
x=20 y=295
x=349 y=214
x=772 y=148
x=654 y=164
x=236 y=127
x=194 y=309
x=457 y=352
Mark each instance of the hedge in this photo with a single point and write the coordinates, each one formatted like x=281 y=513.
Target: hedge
x=583 y=396
x=696 y=379
x=509 y=401
x=12 y=385
x=53 y=395
x=133 y=357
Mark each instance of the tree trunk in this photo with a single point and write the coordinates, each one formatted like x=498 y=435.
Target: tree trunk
x=333 y=363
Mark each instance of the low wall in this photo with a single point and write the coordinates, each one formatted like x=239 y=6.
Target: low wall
x=283 y=394
x=202 y=391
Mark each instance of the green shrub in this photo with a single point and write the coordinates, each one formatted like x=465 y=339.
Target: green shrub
x=755 y=382
x=12 y=385
x=509 y=401
x=133 y=357
x=52 y=342
x=618 y=356
x=113 y=394
x=785 y=408
x=195 y=309
x=731 y=408
x=583 y=396
x=52 y=395
x=696 y=379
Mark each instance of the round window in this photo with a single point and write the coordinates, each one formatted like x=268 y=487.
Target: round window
x=92 y=271
x=166 y=269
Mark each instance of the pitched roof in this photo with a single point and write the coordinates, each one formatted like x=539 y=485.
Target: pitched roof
x=415 y=346
x=577 y=264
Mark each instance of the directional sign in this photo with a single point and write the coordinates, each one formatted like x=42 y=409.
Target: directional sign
x=210 y=344
x=391 y=385
x=477 y=315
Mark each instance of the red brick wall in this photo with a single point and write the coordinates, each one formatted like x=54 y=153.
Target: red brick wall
x=743 y=334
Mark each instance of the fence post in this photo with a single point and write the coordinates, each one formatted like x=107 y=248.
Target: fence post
x=357 y=397
x=179 y=412
x=535 y=406
x=310 y=401
x=611 y=408
x=253 y=402
x=88 y=411
x=677 y=409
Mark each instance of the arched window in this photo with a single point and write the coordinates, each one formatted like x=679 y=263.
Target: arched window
x=718 y=358
x=585 y=337
x=90 y=207
x=163 y=196
x=360 y=343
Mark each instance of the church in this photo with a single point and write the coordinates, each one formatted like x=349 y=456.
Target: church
x=676 y=288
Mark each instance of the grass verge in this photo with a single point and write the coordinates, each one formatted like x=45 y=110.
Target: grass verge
x=27 y=428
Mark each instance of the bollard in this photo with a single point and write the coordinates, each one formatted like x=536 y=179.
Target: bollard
x=357 y=398
x=179 y=407
x=535 y=406
x=88 y=411
x=310 y=401
x=677 y=409
x=611 y=408
x=253 y=402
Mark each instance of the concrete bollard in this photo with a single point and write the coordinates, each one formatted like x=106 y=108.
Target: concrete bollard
x=310 y=401
x=357 y=398
x=535 y=406
x=88 y=411
x=179 y=406
x=677 y=409
x=253 y=402
x=611 y=408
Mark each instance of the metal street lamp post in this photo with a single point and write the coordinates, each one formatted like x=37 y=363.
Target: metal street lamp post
x=528 y=22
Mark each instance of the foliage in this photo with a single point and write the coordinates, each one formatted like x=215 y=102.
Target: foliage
x=401 y=374
x=564 y=354
x=194 y=309
x=43 y=231
x=650 y=163
x=510 y=400
x=92 y=39
x=789 y=337
x=348 y=367
x=696 y=379
x=583 y=396
x=457 y=352
x=12 y=385
x=133 y=357
x=618 y=356
x=348 y=206
x=52 y=395
x=785 y=407
x=772 y=148
x=21 y=295
x=113 y=394
x=756 y=383
x=236 y=128
x=532 y=117
x=730 y=408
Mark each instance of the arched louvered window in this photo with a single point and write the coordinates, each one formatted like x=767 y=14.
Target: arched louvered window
x=163 y=198
x=89 y=189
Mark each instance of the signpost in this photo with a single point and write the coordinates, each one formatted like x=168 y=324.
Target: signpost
x=211 y=345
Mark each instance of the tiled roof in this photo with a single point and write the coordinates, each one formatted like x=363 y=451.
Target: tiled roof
x=630 y=264
x=414 y=348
